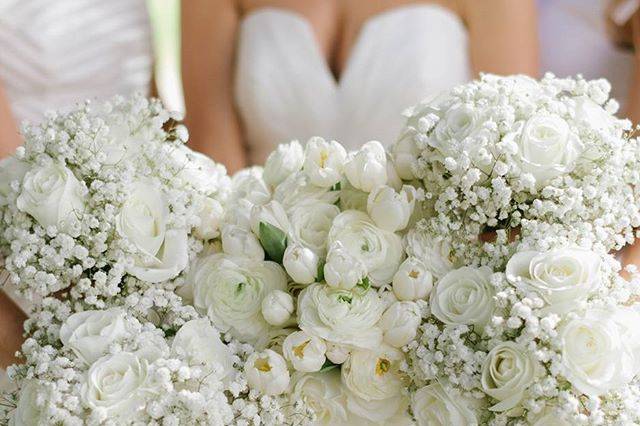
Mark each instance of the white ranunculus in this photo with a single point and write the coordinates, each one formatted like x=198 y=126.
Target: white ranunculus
x=464 y=296
x=366 y=168
x=199 y=343
x=433 y=406
x=389 y=209
x=301 y=263
x=341 y=317
x=52 y=195
x=435 y=252
x=547 y=147
x=297 y=189
x=343 y=269
x=11 y=169
x=277 y=307
x=210 y=213
x=117 y=384
x=239 y=241
x=562 y=277
x=381 y=251
x=399 y=323
x=507 y=373
x=90 y=333
x=230 y=290
x=324 y=162
x=374 y=382
x=405 y=154
x=310 y=224
x=267 y=372
x=413 y=280
x=601 y=349
x=247 y=184
x=324 y=394
x=162 y=252
x=306 y=353
x=284 y=161
x=28 y=411
x=271 y=213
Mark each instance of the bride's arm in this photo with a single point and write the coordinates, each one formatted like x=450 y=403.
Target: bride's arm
x=503 y=36
x=9 y=136
x=11 y=320
x=208 y=49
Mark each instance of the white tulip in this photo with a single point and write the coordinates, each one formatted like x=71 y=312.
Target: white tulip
x=162 y=252
x=337 y=354
x=28 y=412
x=311 y=222
x=284 y=161
x=405 y=155
x=271 y=213
x=391 y=210
x=342 y=269
x=230 y=290
x=393 y=180
x=267 y=372
x=238 y=241
x=247 y=184
x=90 y=333
x=432 y=405
x=298 y=189
x=324 y=393
x=324 y=162
x=400 y=323
x=277 y=307
x=52 y=195
x=464 y=296
x=367 y=168
x=306 y=353
x=300 y=263
x=341 y=317
x=210 y=214
x=413 y=280
x=11 y=170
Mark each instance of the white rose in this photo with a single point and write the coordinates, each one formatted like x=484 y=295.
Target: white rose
x=163 y=253
x=324 y=162
x=306 y=353
x=310 y=224
x=435 y=252
x=210 y=213
x=381 y=251
x=52 y=195
x=247 y=184
x=366 y=168
x=374 y=382
x=200 y=344
x=230 y=291
x=267 y=372
x=432 y=405
x=391 y=210
x=28 y=411
x=11 y=169
x=464 y=296
x=324 y=394
x=238 y=241
x=198 y=170
x=342 y=269
x=561 y=277
x=117 y=384
x=600 y=349
x=547 y=147
x=297 y=189
x=301 y=263
x=341 y=317
x=507 y=373
x=593 y=115
x=405 y=155
x=400 y=323
x=413 y=281
x=458 y=123
x=271 y=213
x=284 y=161
x=277 y=307
x=90 y=333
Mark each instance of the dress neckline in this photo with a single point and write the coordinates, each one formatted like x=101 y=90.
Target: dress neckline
x=359 y=38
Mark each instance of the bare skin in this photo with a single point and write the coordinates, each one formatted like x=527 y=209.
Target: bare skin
x=11 y=318
x=502 y=34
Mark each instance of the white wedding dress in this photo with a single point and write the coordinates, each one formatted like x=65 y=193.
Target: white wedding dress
x=57 y=53
x=285 y=89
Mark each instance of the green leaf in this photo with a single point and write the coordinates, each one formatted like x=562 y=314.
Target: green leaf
x=337 y=186
x=273 y=240
x=320 y=274
x=328 y=365
x=365 y=284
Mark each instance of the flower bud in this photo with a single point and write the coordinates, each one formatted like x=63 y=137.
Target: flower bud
x=267 y=372
x=367 y=168
x=277 y=307
x=306 y=353
x=405 y=154
x=391 y=210
x=283 y=162
x=301 y=263
x=238 y=241
x=343 y=270
x=399 y=323
x=413 y=280
x=210 y=214
x=337 y=354
x=323 y=162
